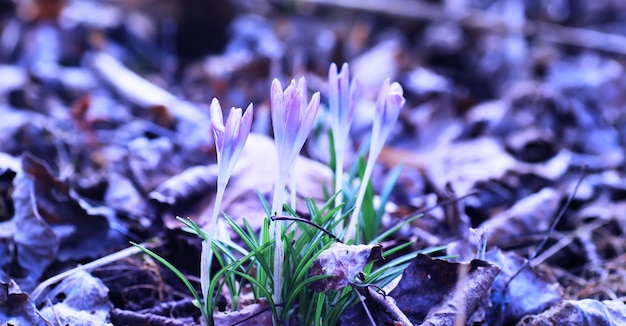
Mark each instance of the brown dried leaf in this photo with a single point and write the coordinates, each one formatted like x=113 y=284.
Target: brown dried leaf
x=429 y=289
x=463 y=164
x=344 y=263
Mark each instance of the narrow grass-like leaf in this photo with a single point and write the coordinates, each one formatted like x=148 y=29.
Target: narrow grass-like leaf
x=189 y=223
x=385 y=193
x=395 y=228
x=360 y=156
x=319 y=306
x=301 y=287
x=264 y=204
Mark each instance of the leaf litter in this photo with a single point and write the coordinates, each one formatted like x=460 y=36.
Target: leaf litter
x=106 y=139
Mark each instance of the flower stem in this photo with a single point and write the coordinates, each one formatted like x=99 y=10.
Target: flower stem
x=206 y=255
x=279 y=250
x=292 y=185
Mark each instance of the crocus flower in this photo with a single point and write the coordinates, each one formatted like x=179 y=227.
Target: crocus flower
x=229 y=138
x=388 y=105
x=292 y=119
x=342 y=97
x=229 y=141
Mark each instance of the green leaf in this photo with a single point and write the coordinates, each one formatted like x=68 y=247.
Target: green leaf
x=388 y=187
x=395 y=228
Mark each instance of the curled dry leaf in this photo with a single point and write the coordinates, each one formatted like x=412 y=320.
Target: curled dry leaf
x=436 y=291
x=182 y=192
x=344 y=263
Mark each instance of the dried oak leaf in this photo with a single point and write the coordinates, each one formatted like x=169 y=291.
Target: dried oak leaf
x=344 y=263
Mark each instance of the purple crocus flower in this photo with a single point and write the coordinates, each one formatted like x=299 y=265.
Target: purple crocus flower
x=388 y=105
x=230 y=137
x=229 y=141
x=342 y=97
x=292 y=119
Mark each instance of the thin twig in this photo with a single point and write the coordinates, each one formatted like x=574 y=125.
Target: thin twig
x=367 y=311
x=303 y=220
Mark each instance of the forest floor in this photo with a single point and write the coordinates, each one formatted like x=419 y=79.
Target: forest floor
x=511 y=142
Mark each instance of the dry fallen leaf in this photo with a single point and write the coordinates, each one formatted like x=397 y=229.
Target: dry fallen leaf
x=580 y=312
x=529 y=215
x=428 y=290
x=258 y=314
x=533 y=290
x=344 y=263
x=80 y=299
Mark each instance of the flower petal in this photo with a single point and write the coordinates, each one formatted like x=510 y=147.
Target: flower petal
x=217 y=123
x=277 y=102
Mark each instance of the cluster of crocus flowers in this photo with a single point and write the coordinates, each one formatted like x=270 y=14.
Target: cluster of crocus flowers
x=293 y=116
x=342 y=97
x=230 y=138
x=388 y=105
